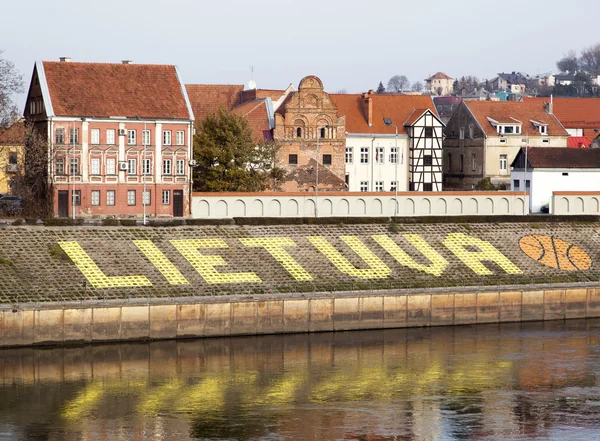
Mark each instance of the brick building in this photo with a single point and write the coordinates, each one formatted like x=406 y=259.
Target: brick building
x=109 y=128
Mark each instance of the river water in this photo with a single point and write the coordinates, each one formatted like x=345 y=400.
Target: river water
x=533 y=381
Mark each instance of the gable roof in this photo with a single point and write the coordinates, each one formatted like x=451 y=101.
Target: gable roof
x=575 y=112
x=440 y=76
x=13 y=135
x=256 y=113
x=578 y=142
x=513 y=78
x=509 y=111
x=115 y=89
x=397 y=108
x=207 y=99
x=560 y=158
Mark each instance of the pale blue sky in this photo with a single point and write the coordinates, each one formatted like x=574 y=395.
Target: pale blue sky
x=350 y=44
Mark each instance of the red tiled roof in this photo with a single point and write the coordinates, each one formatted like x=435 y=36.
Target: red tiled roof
x=575 y=113
x=253 y=94
x=578 y=142
x=439 y=76
x=398 y=108
x=257 y=116
x=103 y=90
x=552 y=157
x=508 y=111
x=13 y=135
x=207 y=99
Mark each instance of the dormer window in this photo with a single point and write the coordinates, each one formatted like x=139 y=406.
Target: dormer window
x=541 y=127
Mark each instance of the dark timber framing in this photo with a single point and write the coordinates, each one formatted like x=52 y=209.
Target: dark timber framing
x=425 y=153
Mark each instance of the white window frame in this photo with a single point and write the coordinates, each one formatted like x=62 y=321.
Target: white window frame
x=74 y=167
x=167 y=137
x=131 y=198
x=393 y=155
x=364 y=155
x=131 y=137
x=95 y=198
x=167 y=169
x=503 y=163
x=146 y=198
x=95 y=166
x=147 y=167
x=349 y=155
x=59 y=136
x=111 y=166
x=378 y=185
x=95 y=136
x=393 y=185
x=76 y=198
x=73 y=136
x=379 y=155
x=110 y=197
x=146 y=137
x=166 y=197
x=132 y=166
x=59 y=167
x=180 y=135
x=110 y=136
x=364 y=186
x=180 y=167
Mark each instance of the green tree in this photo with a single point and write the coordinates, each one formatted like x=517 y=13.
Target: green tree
x=380 y=88
x=228 y=159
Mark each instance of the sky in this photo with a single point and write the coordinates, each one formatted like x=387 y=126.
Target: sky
x=351 y=44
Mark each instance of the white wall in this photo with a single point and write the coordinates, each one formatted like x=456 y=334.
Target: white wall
x=330 y=204
x=576 y=203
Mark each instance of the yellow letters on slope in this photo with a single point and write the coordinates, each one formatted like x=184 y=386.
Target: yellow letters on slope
x=94 y=275
x=438 y=263
x=205 y=265
x=274 y=245
x=456 y=242
x=160 y=261
x=377 y=269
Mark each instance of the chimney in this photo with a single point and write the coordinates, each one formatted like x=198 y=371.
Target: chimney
x=368 y=97
x=126 y=61
x=65 y=59
x=551 y=106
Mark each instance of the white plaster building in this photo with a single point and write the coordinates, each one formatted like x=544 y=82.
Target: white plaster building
x=554 y=169
x=405 y=154
x=439 y=84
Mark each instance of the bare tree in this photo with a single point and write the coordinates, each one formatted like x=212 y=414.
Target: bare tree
x=398 y=83
x=11 y=82
x=569 y=62
x=466 y=85
x=590 y=59
x=417 y=86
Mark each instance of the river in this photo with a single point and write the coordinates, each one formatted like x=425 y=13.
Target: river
x=530 y=381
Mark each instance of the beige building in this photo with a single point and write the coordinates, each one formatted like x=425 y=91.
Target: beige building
x=12 y=145
x=439 y=84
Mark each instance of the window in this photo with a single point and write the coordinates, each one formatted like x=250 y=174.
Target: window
x=180 y=137
x=76 y=198
x=428 y=132
x=462 y=133
x=326 y=159
x=516 y=184
x=471 y=131
x=12 y=158
x=110 y=136
x=110 y=166
x=393 y=185
x=427 y=160
x=147 y=167
x=394 y=155
x=462 y=162
x=110 y=197
x=503 y=163
x=181 y=167
x=473 y=162
x=166 y=137
x=517 y=129
x=427 y=186
x=322 y=132
x=379 y=155
x=364 y=186
x=166 y=167
x=74 y=136
x=527 y=185
x=543 y=130
x=74 y=166
x=131 y=139
x=299 y=132
x=503 y=141
x=565 y=174
x=293 y=159
x=130 y=197
x=132 y=166
x=60 y=166
x=449 y=162
x=378 y=185
x=95 y=197
x=95 y=136
x=364 y=155
x=95 y=166
x=146 y=197
x=545 y=140
x=166 y=197
x=349 y=155
x=60 y=136
x=509 y=130
x=145 y=137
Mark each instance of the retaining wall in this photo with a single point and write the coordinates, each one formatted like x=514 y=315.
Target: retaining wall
x=575 y=202
x=345 y=311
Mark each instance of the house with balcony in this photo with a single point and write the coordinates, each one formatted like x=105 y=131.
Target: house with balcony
x=482 y=139
x=119 y=137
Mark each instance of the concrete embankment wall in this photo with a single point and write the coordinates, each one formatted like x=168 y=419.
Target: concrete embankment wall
x=106 y=322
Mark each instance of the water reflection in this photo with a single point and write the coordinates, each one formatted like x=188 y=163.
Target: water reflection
x=491 y=382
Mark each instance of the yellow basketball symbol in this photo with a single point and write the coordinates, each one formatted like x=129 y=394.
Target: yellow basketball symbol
x=555 y=253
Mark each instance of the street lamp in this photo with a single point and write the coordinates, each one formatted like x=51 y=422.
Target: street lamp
x=144 y=143
x=317 y=170
x=388 y=122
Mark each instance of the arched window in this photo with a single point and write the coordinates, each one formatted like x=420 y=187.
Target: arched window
x=322 y=132
x=299 y=132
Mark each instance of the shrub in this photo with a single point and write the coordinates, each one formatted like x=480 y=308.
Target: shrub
x=60 y=222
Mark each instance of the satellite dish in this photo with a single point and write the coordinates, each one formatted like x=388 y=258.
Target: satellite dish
x=193 y=163
x=251 y=85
